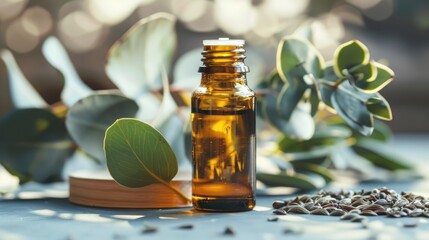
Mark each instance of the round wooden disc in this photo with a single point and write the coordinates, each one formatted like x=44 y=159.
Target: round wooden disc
x=98 y=189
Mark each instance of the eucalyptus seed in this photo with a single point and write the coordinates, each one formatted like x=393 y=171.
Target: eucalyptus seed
x=337 y=212
x=229 y=231
x=298 y=209
x=320 y=211
x=278 y=204
x=272 y=219
x=358 y=219
x=280 y=212
x=349 y=216
x=368 y=213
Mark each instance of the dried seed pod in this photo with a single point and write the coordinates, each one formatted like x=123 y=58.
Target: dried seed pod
x=337 y=212
x=382 y=202
x=309 y=205
x=346 y=201
x=358 y=219
x=381 y=212
x=357 y=211
x=316 y=206
x=400 y=203
x=409 y=225
x=186 y=226
x=368 y=213
x=228 y=231
x=272 y=219
x=347 y=207
x=373 y=207
x=149 y=229
x=331 y=209
x=280 y=212
x=349 y=216
x=416 y=213
x=278 y=204
x=298 y=209
x=359 y=202
x=418 y=204
x=382 y=195
x=320 y=211
x=304 y=198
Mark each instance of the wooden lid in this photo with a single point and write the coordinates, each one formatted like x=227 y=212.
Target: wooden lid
x=98 y=189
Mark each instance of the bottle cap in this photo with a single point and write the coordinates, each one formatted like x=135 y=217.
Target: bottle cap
x=224 y=42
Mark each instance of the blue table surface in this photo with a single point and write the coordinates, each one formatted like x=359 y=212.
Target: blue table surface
x=43 y=212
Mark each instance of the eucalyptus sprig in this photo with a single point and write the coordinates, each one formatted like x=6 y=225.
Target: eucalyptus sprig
x=295 y=96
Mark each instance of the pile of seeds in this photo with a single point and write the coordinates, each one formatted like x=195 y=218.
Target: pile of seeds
x=349 y=204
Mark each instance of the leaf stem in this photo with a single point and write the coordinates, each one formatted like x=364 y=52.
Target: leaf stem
x=338 y=82
x=176 y=190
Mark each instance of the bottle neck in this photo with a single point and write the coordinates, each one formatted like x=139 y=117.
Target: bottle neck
x=224 y=59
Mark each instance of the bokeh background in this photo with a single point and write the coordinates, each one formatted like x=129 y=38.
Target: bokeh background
x=396 y=32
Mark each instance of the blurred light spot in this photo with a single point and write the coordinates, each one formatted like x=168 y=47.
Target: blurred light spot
x=381 y=11
x=69 y=7
x=11 y=8
x=79 y=31
x=44 y=212
x=65 y=215
x=262 y=209
x=364 y=4
x=30 y=195
x=112 y=12
x=334 y=25
x=349 y=14
x=37 y=21
x=18 y=39
x=285 y=9
x=266 y=24
x=91 y=218
x=205 y=22
x=128 y=217
x=188 y=10
x=8 y=182
x=235 y=17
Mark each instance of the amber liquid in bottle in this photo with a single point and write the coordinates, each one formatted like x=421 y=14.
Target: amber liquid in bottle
x=223 y=131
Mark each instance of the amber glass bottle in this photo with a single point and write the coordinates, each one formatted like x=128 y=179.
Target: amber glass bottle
x=223 y=131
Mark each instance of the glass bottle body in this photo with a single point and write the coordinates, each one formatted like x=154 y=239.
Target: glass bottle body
x=223 y=143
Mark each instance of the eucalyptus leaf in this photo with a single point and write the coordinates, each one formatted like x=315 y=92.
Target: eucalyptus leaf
x=300 y=125
x=22 y=92
x=74 y=88
x=384 y=76
x=138 y=155
x=375 y=153
x=349 y=55
x=88 y=119
x=326 y=85
x=289 y=97
x=314 y=100
x=168 y=106
x=364 y=72
x=34 y=144
x=379 y=107
x=300 y=181
x=352 y=109
x=303 y=167
x=136 y=61
x=185 y=71
x=382 y=132
x=297 y=57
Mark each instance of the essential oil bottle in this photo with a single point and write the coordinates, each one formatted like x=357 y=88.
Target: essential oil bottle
x=223 y=130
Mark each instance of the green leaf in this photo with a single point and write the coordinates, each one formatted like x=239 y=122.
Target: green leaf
x=326 y=85
x=23 y=94
x=297 y=57
x=289 y=97
x=375 y=153
x=136 y=61
x=381 y=132
x=364 y=72
x=352 y=109
x=379 y=107
x=168 y=106
x=384 y=76
x=74 y=88
x=303 y=167
x=314 y=100
x=300 y=181
x=34 y=144
x=349 y=55
x=88 y=119
x=185 y=74
x=300 y=125
x=138 y=155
